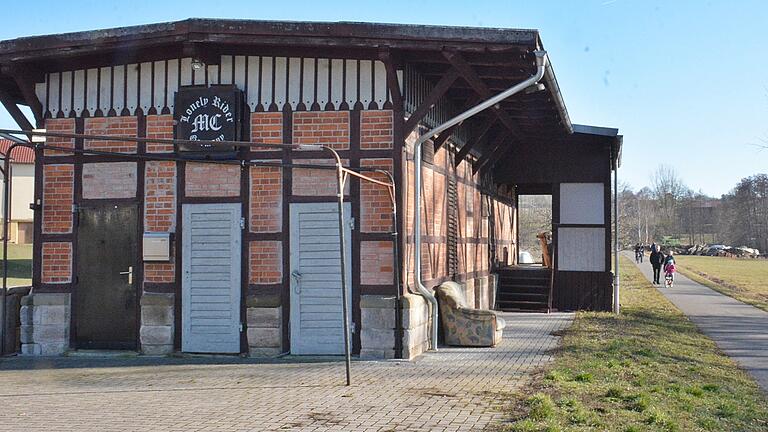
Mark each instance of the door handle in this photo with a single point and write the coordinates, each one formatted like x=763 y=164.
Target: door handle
x=297 y=277
x=130 y=275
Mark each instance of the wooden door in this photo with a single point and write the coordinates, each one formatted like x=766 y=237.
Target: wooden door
x=211 y=261
x=316 y=296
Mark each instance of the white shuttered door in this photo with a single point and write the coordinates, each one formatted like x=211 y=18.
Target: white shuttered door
x=211 y=257
x=316 y=302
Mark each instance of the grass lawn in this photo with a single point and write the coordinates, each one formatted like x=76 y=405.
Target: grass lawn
x=742 y=279
x=649 y=369
x=19 y=265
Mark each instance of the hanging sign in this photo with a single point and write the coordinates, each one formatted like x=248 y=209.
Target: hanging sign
x=208 y=114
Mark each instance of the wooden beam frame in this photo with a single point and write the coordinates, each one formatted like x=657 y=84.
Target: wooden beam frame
x=487 y=155
x=483 y=132
x=25 y=79
x=440 y=89
x=479 y=86
x=392 y=82
x=15 y=112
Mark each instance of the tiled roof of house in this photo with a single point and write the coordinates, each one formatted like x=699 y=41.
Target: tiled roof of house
x=23 y=155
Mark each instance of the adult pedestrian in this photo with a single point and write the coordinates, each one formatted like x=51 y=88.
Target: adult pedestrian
x=657 y=259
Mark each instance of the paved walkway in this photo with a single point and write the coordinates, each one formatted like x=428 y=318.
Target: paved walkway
x=739 y=329
x=455 y=389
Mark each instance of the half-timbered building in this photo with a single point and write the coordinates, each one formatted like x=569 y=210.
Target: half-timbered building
x=162 y=247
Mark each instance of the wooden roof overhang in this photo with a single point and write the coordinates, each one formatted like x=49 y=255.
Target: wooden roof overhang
x=465 y=64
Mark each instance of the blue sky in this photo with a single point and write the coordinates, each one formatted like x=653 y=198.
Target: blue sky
x=684 y=81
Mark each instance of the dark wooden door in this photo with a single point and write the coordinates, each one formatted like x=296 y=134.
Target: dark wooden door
x=105 y=300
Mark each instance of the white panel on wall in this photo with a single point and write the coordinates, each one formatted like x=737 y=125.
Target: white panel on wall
x=145 y=82
x=240 y=72
x=40 y=92
x=366 y=85
x=323 y=97
x=158 y=99
x=337 y=81
x=281 y=79
x=581 y=249
x=186 y=72
x=309 y=82
x=581 y=203
x=118 y=95
x=351 y=83
x=254 y=81
x=213 y=74
x=225 y=74
x=78 y=92
x=132 y=84
x=380 y=83
x=199 y=76
x=105 y=88
x=92 y=91
x=399 y=83
x=53 y=93
x=66 y=93
x=173 y=81
x=294 y=81
x=266 y=82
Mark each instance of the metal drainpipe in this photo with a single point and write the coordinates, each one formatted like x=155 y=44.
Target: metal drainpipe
x=541 y=64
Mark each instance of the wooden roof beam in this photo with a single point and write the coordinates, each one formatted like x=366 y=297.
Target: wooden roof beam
x=480 y=88
x=488 y=155
x=437 y=92
x=481 y=136
x=14 y=111
x=385 y=55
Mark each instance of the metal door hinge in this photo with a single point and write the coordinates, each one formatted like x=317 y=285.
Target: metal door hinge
x=242 y=223
x=75 y=208
x=242 y=328
x=352 y=224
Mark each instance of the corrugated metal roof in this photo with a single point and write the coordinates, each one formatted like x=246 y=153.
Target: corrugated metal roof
x=23 y=155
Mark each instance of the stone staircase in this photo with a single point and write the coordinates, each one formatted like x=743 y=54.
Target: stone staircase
x=523 y=289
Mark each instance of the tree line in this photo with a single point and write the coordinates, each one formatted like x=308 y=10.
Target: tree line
x=668 y=210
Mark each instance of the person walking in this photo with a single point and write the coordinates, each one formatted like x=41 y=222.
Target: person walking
x=657 y=259
x=669 y=269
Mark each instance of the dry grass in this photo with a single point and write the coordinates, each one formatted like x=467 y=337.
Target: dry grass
x=649 y=369
x=19 y=265
x=743 y=279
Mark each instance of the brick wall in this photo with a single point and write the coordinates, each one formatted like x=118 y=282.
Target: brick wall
x=375 y=201
x=57 y=262
x=109 y=180
x=61 y=126
x=265 y=262
x=317 y=182
x=58 y=188
x=160 y=213
x=118 y=126
x=266 y=206
x=376 y=130
x=159 y=127
x=210 y=180
x=267 y=127
x=376 y=263
x=329 y=128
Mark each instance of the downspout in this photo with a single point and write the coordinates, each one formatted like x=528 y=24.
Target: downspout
x=616 y=288
x=541 y=63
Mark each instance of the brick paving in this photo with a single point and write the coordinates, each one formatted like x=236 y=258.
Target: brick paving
x=455 y=389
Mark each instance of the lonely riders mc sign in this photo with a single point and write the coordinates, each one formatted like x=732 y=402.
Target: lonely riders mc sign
x=208 y=114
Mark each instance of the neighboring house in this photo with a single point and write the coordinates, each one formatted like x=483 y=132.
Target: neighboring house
x=239 y=259
x=22 y=193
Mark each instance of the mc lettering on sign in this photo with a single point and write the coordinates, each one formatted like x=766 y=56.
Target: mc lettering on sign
x=208 y=114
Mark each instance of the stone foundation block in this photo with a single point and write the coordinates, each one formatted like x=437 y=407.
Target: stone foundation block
x=264 y=337
x=267 y=317
x=156 y=315
x=156 y=335
x=264 y=331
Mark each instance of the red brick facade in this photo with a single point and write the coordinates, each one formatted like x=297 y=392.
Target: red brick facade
x=375 y=200
x=376 y=263
x=267 y=127
x=376 y=130
x=329 y=128
x=160 y=213
x=159 y=127
x=66 y=125
x=109 y=180
x=118 y=126
x=317 y=182
x=58 y=189
x=266 y=207
x=265 y=262
x=57 y=262
x=212 y=180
